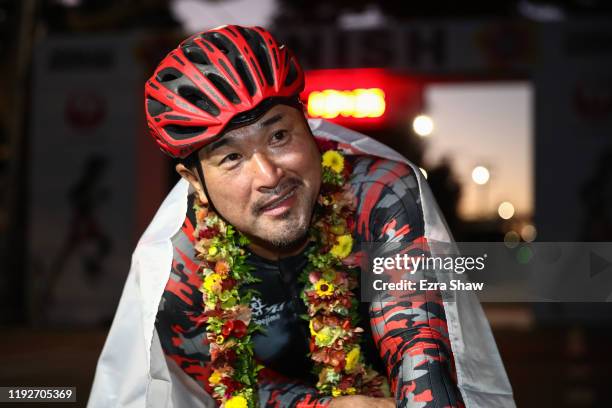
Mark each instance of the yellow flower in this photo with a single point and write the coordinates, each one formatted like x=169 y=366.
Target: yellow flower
x=352 y=358
x=333 y=160
x=324 y=337
x=212 y=251
x=324 y=288
x=336 y=392
x=343 y=247
x=237 y=401
x=220 y=339
x=215 y=378
x=212 y=283
x=312 y=330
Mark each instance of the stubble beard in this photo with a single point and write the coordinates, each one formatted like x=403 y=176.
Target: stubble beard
x=290 y=233
x=288 y=230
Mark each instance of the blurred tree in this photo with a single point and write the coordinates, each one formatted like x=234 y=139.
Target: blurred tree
x=447 y=190
x=400 y=138
x=441 y=179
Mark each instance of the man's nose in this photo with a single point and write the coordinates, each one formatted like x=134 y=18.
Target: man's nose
x=267 y=173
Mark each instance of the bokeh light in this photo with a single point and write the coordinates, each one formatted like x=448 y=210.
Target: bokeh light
x=505 y=210
x=528 y=233
x=524 y=254
x=511 y=239
x=480 y=175
x=423 y=125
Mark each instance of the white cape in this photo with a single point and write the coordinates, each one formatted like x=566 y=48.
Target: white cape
x=133 y=372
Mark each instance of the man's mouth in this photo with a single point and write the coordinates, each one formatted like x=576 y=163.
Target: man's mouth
x=281 y=204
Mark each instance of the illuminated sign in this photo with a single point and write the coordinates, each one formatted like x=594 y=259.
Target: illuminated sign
x=356 y=103
x=361 y=97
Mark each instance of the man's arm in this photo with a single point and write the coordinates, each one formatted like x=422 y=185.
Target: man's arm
x=410 y=333
x=275 y=391
x=412 y=341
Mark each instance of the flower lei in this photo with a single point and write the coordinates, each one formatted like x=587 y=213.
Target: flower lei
x=329 y=279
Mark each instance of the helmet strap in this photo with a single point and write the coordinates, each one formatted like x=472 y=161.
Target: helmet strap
x=194 y=161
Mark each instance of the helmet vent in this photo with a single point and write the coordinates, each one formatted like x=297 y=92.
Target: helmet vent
x=168 y=74
x=245 y=76
x=196 y=55
x=154 y=107
x=264 y=62
x=246 y=33
x=219 y=41
x=292 y=74
x=197 y=98
x=229 y=72
x=276 y=59
x=258 y=45
x=223 y=87
x=184 y=132
x=263 y=57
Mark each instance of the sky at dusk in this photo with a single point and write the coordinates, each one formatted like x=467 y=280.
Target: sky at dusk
x=487 y=124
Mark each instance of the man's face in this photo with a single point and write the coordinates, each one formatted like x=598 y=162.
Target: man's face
x=264 y=178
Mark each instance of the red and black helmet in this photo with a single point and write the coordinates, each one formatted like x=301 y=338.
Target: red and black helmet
x=212 y=78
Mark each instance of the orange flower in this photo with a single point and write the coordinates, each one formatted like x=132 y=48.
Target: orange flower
x=201 y=214
x=222 y=268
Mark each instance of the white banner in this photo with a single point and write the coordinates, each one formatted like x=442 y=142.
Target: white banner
x=85 y=120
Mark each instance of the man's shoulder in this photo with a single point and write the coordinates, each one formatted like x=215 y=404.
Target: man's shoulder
x=388 y=199
x=369 y=171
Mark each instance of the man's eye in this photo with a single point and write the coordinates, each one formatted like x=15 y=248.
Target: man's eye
x=279 y=136
x=231 y=157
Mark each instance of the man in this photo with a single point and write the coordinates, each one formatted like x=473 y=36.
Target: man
x=225 y=103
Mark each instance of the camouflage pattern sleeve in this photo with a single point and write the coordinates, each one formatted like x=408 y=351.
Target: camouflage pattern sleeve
x=410 y=332
x=180 y=323
x=276 y=391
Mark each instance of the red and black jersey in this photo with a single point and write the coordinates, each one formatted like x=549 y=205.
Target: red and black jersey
x=407 y=339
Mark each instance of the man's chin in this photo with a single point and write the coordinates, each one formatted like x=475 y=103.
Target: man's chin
x=284 y=232
x=285 y=235
x=286 y=241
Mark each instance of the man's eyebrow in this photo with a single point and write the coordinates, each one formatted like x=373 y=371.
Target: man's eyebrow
x=228 y=140
x=218 y=143
x=271 y=121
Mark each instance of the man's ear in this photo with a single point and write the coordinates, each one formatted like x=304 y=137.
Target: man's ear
x=193 y=179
